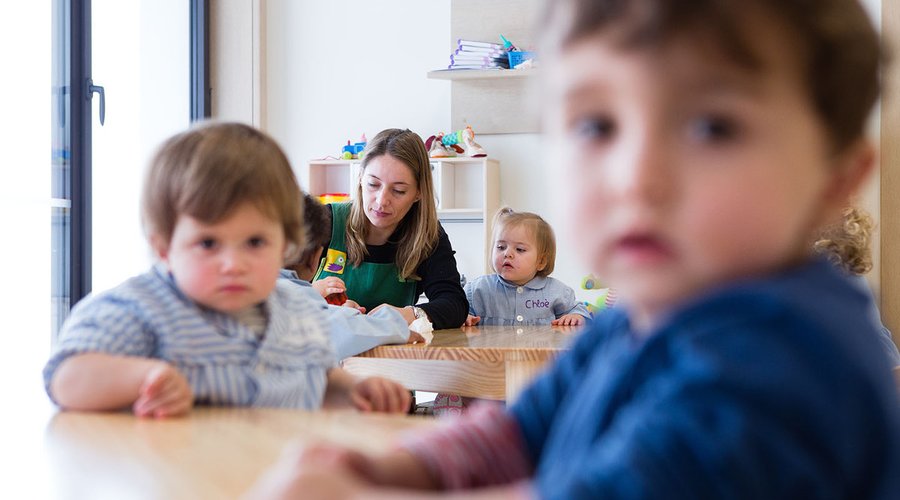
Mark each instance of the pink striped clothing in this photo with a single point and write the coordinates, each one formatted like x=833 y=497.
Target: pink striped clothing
x=484 y=447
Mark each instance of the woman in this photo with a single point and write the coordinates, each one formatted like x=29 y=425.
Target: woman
x=387 y=244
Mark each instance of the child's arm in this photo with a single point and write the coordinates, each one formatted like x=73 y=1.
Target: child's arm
x=327 y=472
x=97 y=381
x=568 y=310
x=368 y=394
x=478 y=451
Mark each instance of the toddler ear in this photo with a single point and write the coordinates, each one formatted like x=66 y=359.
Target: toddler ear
x=851 y=169
x=160 y=247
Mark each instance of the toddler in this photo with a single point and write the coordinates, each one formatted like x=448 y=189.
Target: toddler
x=522 y=291
x=210 y=323
x=847 y=244
x=350 y=331
x=710 y=140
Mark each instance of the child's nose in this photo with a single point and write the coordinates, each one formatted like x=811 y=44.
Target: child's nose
x=643 y=170
x=233 y=261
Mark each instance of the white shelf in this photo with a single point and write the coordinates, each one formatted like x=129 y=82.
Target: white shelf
x=480 y=74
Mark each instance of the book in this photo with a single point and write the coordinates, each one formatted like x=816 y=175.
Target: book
x=472 y=66
x=485 y=62
x=462 y=42
x=480 y=52
x=478 y=58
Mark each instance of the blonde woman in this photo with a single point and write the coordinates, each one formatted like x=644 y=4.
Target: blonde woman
x=387 y=245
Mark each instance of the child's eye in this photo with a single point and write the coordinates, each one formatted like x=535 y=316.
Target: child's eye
x=594 y=128
x=207 y=243
x=256 y=242
x=501 y=247
x=713 y=129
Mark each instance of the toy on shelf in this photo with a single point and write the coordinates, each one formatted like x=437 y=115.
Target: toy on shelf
x=447 y=146
x=354 y=151
x=607 y=296
x=333 y=198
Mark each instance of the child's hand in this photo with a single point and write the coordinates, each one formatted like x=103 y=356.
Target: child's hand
x=406 y=312
x=472 y=320
x=380 y=394
x=415 y=338
x=164 y=393
x=329 y=285
x=320 y=471
x=568 y=320
x=355 y=305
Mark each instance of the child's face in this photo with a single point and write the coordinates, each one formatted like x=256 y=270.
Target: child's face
x=227 y=266
x=687 y=172
x=515 y=255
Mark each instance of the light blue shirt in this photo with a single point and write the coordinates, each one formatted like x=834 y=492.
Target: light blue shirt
x=224 y=362
x=538 y=302
x=350 y=331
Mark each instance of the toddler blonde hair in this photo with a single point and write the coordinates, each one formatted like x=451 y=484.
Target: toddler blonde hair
x=544 y=239
x=847 y=244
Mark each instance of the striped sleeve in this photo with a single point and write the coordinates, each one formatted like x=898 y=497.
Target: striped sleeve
x=484 y=447
x=104 y=324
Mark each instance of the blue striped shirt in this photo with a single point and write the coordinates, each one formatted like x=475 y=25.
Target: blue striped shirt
x=538 y=302
x=222 y=359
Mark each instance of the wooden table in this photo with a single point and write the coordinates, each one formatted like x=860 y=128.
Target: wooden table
x=491 y=362
x=213 y=453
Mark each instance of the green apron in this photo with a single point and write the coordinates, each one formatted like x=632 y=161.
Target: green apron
x=370 y=284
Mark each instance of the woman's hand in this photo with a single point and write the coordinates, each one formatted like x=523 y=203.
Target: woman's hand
x=329 y=285
x=380 y=394
x=164 y=393
x=472 y=320
x=568 y=320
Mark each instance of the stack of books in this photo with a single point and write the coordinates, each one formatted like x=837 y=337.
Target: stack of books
x=472 y=54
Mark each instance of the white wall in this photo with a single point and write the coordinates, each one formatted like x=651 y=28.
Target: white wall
x=338 y=69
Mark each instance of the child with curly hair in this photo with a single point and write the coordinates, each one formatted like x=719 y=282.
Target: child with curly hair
x=847 y=244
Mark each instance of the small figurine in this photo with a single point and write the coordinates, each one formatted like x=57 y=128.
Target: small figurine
x=446 y=146
x=437 y=148
x=354 y=151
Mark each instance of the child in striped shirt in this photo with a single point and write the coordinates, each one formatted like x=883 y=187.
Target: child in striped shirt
x=210 y=323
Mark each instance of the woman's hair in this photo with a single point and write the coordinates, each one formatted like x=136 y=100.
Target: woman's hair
x=420 y=225
x=834 y=41
x=847 y=244
x=544 y=239
x=316 y=224
x=213 y=168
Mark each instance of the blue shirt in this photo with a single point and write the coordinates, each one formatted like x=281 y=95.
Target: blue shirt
x=538 y=302
x=350 y=331
x=775 y=388
x=222 y=359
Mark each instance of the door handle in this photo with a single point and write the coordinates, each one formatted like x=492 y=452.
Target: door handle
x=97 y=89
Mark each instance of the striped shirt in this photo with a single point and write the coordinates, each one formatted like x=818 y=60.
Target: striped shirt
x=538 y=302
x=222 y=359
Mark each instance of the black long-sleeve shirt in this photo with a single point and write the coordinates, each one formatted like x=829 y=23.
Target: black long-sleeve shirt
x=447 y=306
